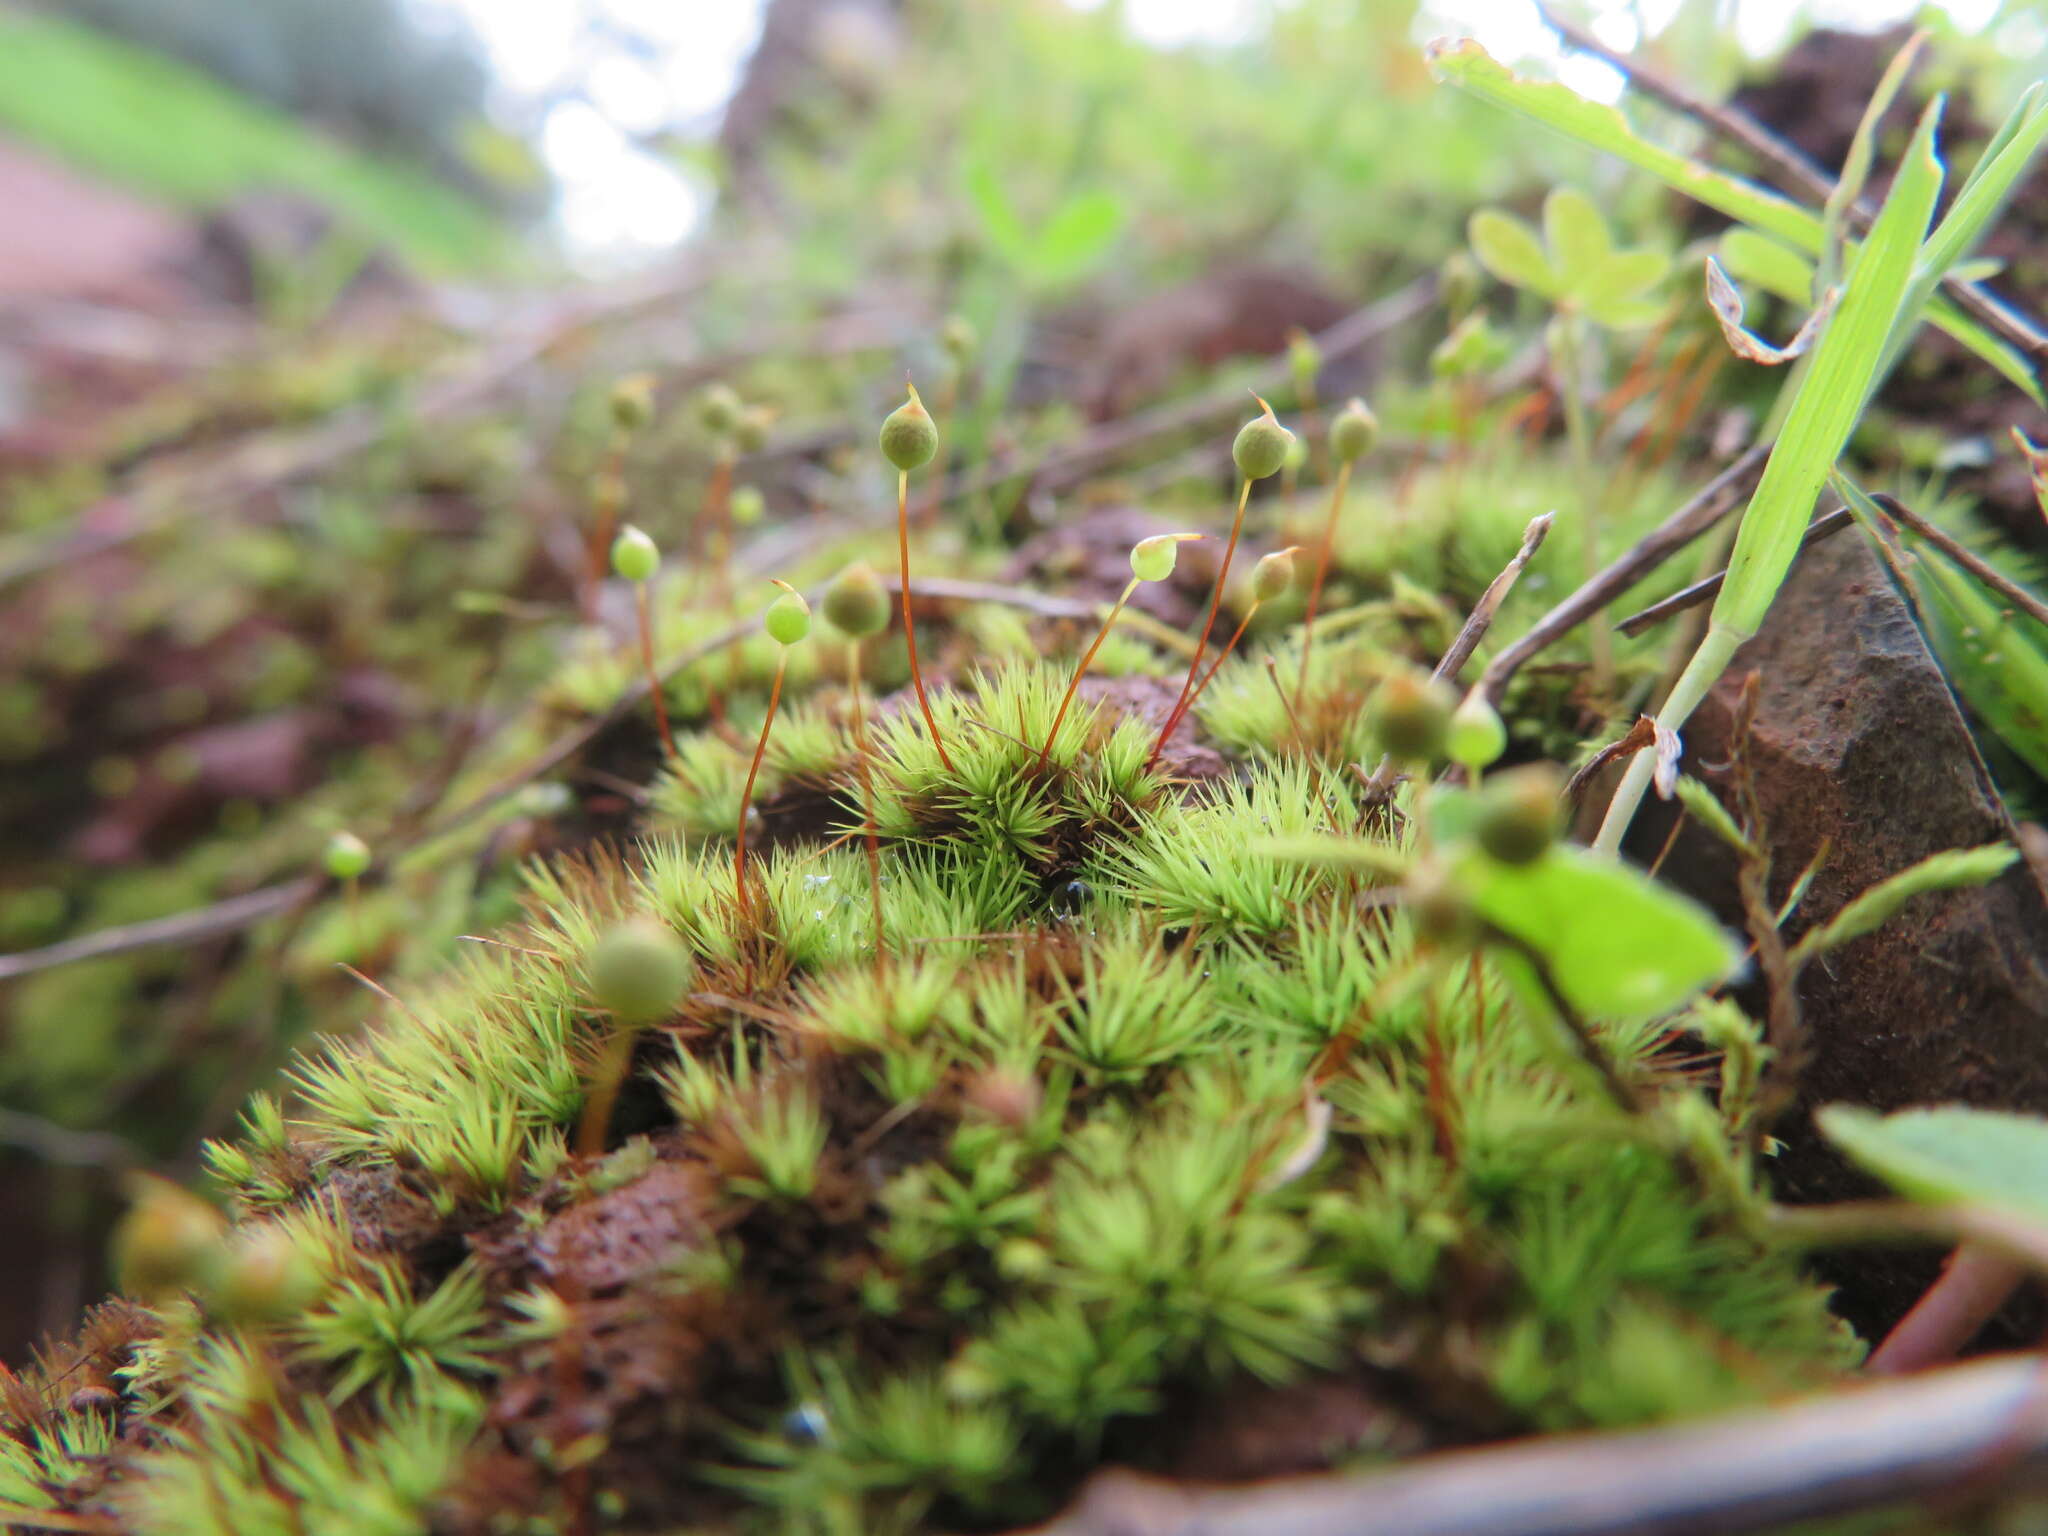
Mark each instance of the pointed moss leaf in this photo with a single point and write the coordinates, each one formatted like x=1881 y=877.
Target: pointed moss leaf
x=1950 y=1155
x=1509 y=249
x=1952 y=869
x=1576 y=231
x=1617 y=944
x=1699 y=801
x=1839 y=379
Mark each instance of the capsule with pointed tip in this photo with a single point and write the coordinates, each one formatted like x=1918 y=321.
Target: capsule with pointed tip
x=1354 y=432
x=909 y=437
x=1261 y=446
x=635 y=557
x=168 y=1242
x=1153 y=559
x=788 y=618
x=1304 y=358
x=747 y=505
x=1273 y=577
x=857 y=603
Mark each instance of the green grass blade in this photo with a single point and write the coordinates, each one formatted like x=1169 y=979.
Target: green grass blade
x=1832 y=395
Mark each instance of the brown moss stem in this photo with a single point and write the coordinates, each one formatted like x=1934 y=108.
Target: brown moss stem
x=909 y=628
x=1173 y=717
x=1315 y=590
x=1080 y=670
x=654 y=688
x=739 y=856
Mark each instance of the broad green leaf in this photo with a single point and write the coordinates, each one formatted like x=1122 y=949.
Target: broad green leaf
x=1950 y=1155
x=1509 y=249
x=1839 y=378
x=1575 y=231
x=1076 y=237
x=1467 y=65
x=1617 y=944
x=998 y=214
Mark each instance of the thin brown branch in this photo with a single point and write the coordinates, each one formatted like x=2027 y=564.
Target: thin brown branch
x=1822 y=527
x=1970 y=561
x=1712 y=502
x=1794 y=172
x=1480 y=619
x=1832 y=1454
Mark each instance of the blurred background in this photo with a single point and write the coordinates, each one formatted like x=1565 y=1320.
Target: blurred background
x=307 y=314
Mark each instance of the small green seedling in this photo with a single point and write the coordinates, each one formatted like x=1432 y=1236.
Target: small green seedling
x=788 y=621
x=909 y=439
x=1152 y=559
x=858 y=607
x=636 y=558
x=1273 y=577
x=1352 y=436
x=1578 y=269
x=1258 y=451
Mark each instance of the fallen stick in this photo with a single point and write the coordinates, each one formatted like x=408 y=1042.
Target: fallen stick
x=1970 y=1429
x=1704 y=591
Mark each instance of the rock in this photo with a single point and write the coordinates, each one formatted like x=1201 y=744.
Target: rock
x=1859 y=745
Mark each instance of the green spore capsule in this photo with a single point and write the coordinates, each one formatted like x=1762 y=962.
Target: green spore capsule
x=750 y=432
x=632 y=402
x=1354 y=433
x=635 y=557
x=639 y=971
x=1476 y=737
x=1304 y=358
x=856 y=602
x=748 y=506
x=1409 y=716
x=960 y=340
x=262 y=1277
x=1520 y=814
x=1273 y=577
x=788 y=618
x=1153 y=559
x=168 y=1242
x=718 y=409
x=909 y=437
x=347 y=856
x=1261 y=446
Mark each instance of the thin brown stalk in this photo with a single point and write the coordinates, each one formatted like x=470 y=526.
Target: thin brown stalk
x=867 y=798
x=1080 y=670
x=1223 y=655
x=1173 y=717
x=1705 y=591
x=1963 y=556
x=1315 y=590
x=909 y=627
x=655 y=691
x=739 y=856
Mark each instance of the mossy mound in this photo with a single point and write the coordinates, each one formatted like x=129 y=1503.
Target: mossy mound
x=1136 y=1120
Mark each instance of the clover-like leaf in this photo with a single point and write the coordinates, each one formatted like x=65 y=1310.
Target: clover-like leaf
x=1575 y=230
x=1509 y=249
